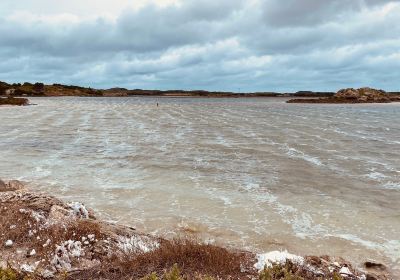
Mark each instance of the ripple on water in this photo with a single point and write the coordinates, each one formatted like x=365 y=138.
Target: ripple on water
x=241 y=170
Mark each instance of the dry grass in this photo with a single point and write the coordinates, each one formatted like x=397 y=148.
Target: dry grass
x=192 y=258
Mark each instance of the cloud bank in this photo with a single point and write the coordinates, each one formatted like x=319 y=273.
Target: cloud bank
x=251 y=45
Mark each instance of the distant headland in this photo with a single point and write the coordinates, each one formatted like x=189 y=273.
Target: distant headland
x=40 y=89
x=9 y=94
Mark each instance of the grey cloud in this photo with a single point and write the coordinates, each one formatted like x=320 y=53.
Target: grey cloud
x=310 y=12
x=224 y=45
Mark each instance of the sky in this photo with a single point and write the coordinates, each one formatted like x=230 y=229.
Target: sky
x=228 y=45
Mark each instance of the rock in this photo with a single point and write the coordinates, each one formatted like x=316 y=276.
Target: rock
x=313 y=260
x=14 y=185
x=79 y=210
x=363 y=95
x=3 y=186
x=14 y=101
x=11 y=186
x=27 y=268
x=370 y=264
x=351 y=95
x=371 y=277
x=46 y=274
x=345 y=271
x=42 y=203
x=376 y=271
x=347 y=93
x=58 y=213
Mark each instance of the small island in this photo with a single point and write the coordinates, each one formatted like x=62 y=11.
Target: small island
x=13 y=101
x=351 y=95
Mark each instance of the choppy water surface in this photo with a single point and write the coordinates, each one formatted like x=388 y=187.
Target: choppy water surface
x=253 y=173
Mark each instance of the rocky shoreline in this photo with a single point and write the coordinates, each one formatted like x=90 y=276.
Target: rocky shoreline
x=42 y=237
x=14 y=101
x=353 y=96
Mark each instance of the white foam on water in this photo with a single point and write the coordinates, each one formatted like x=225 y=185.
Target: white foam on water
x=292 y=152
x=251 y=186
x=226 y=200
x=392 y=186
x=42 y=172
x=304 y=226
x=376 y=176
x=390 y=248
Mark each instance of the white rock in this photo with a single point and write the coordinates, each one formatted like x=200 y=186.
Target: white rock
x=61 y=260
x=137 y=244
x=27 y=268
x=65 y=253
x=345 y=271
x=79 y=210
x=276 y=257
x=74 y=248
x=9 y=243
x=47 y=243
x=33 y=252
x=47 y=274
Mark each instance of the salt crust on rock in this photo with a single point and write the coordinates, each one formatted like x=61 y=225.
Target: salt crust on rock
x=276 y=257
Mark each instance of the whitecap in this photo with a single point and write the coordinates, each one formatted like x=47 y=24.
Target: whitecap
x=376 y=176
x=298 y=154
x=392 y=186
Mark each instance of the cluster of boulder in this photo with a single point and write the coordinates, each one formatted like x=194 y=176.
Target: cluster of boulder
x=363 y=95
x=351 y=95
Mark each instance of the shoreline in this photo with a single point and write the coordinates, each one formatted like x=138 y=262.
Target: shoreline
x=116 y=241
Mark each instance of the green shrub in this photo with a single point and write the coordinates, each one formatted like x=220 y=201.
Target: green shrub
x=278 y=271
x=173 y=274
x=336 y=276
x=8 y=274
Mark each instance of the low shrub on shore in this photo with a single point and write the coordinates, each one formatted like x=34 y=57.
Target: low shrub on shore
x=194 y=259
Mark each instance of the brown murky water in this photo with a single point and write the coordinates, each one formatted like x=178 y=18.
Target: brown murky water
x=253 y=173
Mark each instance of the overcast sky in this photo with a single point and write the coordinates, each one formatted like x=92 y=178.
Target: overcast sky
x=251 y=45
